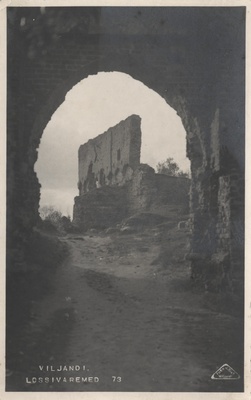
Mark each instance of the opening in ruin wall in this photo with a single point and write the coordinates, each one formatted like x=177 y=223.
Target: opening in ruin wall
x=194 y=81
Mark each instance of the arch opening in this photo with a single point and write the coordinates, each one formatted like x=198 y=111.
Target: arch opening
x=164 y=48
x=90 y=108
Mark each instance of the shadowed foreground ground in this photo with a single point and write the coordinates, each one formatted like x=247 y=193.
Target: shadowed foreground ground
x=127 y=311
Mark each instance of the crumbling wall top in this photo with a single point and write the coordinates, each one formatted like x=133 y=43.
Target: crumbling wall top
x=111 y=157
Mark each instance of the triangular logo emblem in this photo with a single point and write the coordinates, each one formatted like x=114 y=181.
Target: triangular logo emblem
x=225 y=372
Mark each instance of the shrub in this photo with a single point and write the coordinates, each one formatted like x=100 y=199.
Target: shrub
x=54 y=221
x=171 y=168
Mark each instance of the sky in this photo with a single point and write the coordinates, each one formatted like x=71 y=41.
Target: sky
x=92 y=106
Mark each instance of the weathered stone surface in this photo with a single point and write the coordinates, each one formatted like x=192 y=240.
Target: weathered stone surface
x=104 y=207
x=141 y=190
x=182 y=225
x=193 y=57
x=147 y=189
x=111 y=157
x=100 y=208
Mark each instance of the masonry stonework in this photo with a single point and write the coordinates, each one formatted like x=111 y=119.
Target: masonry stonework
x=106 y=159
x=193 y=57
x=113 y=184
x=100 y=208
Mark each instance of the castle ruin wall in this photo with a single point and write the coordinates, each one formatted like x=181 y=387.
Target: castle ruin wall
x=111 y=157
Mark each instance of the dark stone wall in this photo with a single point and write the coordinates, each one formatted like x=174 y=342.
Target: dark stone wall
x=106 y=206
x=194 y=57
x=173 y=190
x=100 y=208
x=148 y=190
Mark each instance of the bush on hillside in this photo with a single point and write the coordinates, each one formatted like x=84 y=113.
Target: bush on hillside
x=171 y=168
x=54 y=221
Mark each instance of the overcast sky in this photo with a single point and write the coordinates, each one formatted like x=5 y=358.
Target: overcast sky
x=90 y=108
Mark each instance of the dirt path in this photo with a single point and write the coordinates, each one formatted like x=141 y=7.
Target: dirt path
x=133 y=324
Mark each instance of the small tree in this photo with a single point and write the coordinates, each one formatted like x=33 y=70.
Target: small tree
x=52 y=219
x=171 y=168
x=45 y=211
x=49 y=213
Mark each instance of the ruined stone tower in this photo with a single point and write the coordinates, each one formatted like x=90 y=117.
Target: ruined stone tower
x=113 y=184
x=105 y=164
x=111 y=157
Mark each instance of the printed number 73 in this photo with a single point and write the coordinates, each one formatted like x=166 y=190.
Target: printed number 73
x=116 y=378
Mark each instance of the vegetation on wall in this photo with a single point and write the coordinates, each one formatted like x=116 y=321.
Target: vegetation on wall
x=171 y=168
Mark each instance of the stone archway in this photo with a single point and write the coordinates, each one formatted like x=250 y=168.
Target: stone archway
x=194 y=80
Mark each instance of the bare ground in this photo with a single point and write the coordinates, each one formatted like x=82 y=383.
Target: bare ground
x=124 y=307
